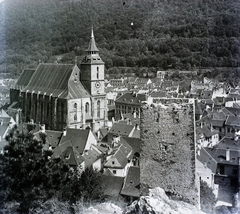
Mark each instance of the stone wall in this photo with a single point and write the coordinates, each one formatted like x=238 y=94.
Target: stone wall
x=168 y=150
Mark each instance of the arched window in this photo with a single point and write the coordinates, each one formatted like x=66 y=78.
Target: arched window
x=98 y=108
x=75 y=105
x=87 y=107
x=97 y=72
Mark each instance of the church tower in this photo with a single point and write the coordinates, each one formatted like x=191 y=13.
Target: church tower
x=92 y=77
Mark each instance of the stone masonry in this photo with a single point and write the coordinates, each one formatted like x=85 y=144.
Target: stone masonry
x=168 y=150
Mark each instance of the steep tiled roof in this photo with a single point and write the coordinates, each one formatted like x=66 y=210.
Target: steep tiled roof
x=130 y=98
x=121 y=129
x=206 y=131
x=226 y=112
x=227 y=143
x=24 y=79
x=207 y=159
x=77 y=137
x=112 y=185
x=91 y=156
x=131 y=185
x=54 y=79
x=234 y=111
x=76 y=90
x=219 y=155
x=233 y=121
x=72 y=156
x=135 y=143
x=50 y=78
x=217 y=123
x=53 y=137
x=117 y=160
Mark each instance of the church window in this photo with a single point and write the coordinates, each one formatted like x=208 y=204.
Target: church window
x=75 y=117
x=97 y=72
x=98 y=108
x=75 y=105
x=87 y=107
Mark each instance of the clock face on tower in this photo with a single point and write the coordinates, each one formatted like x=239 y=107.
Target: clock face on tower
x=97 y=84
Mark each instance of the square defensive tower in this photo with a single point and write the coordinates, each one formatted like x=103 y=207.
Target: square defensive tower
x=168 y=151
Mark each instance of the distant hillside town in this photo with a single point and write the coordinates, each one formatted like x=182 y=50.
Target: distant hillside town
x=90 y=121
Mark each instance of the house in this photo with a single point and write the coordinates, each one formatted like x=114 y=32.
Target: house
x=53 y=138
x=67 y=152
x=131 y=118
x=129 y=102
x=226 y=166
x=136 y=144
x=72 y=157
x=119 y=161
x=81 y=139
x=131 y=186
x=207 y=137
x=94 y=157
x=232 y=125
x=123 y=129
x=6 y=123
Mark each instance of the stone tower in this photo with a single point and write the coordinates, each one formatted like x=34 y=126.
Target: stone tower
x=92 y=77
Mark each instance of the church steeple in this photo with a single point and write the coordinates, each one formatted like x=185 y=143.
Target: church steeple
x=92 y=48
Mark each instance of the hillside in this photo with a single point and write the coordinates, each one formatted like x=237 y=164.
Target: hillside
x=135 y=33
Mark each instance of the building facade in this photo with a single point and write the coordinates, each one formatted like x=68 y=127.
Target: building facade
x=62 y=95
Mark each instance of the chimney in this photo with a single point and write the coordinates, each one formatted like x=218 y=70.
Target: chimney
x=228 y=154
x=98 y=134
x=64 y=132
x=134 y=114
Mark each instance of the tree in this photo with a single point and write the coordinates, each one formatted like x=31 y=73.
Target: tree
x=30 y=176
x=207 y=198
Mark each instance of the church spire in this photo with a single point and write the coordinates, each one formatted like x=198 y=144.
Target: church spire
x=92 y=48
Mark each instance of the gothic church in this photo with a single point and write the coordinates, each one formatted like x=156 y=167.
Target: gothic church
x=62 y=95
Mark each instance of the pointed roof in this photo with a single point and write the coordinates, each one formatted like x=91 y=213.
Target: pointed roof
x=92 y=45
x=77 y=137
x=56 y=80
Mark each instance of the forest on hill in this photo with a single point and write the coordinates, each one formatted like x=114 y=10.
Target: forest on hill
x=157 y=34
